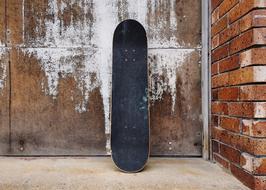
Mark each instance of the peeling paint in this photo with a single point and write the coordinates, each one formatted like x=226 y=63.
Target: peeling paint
x=60 y=62
x=3 y=69
x=77 y=32
x=260 y=110
x=163 y=68
x=162 y=19
x=249 y=162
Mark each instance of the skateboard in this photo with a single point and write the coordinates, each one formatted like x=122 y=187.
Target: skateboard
x=129 y=116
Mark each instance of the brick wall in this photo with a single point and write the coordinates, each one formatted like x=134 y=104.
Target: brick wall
x=238 y=69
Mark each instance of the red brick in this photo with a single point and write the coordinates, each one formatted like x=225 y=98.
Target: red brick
x=230 y=93
x=221 y=161
x=214 y=68
x=247 y=5
x=220 y=80
x=244 y=7
x=229 y=63
x=222 y=135
x=247 y=109
x=254 y=128
x=241 y=109
x=255 y=74
x=259 y=146
x=219 y=26
x=229 y=33
x=234 y=14
x=219 y=108
x=244 y=177
x=253 y=92
x=215 y=15
x=260 y=182
x=230 y=123
x=243 y=41
x=214 y=94
x=214 y=120
x=256 y=18
x=215 y=146
x=255 y=56
x=220 y=52
x=254 y=146
x=215 y=41
x=248 y=39
x=226 y=5
x=235 y=77
x=215 y=3
x=230 y=154
x=260 y=166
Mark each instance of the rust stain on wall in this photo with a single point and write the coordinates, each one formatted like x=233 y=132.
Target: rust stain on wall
x=176 y=131
x=174 y=23
x=57 y=23
x=14 y=20
x=34 y=14
x=2 y=22
x=44 y=125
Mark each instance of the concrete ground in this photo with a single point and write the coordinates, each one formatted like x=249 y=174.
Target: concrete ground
x=99 y=173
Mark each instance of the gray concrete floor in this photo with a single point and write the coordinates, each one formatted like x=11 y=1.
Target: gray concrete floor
x=99 y=173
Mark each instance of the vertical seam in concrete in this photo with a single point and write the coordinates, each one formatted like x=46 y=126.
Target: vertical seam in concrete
x=9 y=102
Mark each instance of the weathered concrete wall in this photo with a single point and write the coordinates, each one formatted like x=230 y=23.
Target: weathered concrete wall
x=60 y=54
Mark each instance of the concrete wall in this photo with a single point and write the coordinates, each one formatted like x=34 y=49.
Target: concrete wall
x=56 y=66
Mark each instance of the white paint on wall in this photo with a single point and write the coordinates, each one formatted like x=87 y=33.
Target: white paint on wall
x=248 y=126
x=138 y=10
x=3 y=69
x=163 y=67
x=260 y=110
x=259 y=74
x=249 y=161
x=61 y=62
x=157 y=24
x=76 y=34
x=105 y=24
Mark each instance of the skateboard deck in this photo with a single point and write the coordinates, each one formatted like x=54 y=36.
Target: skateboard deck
x=130 y=124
